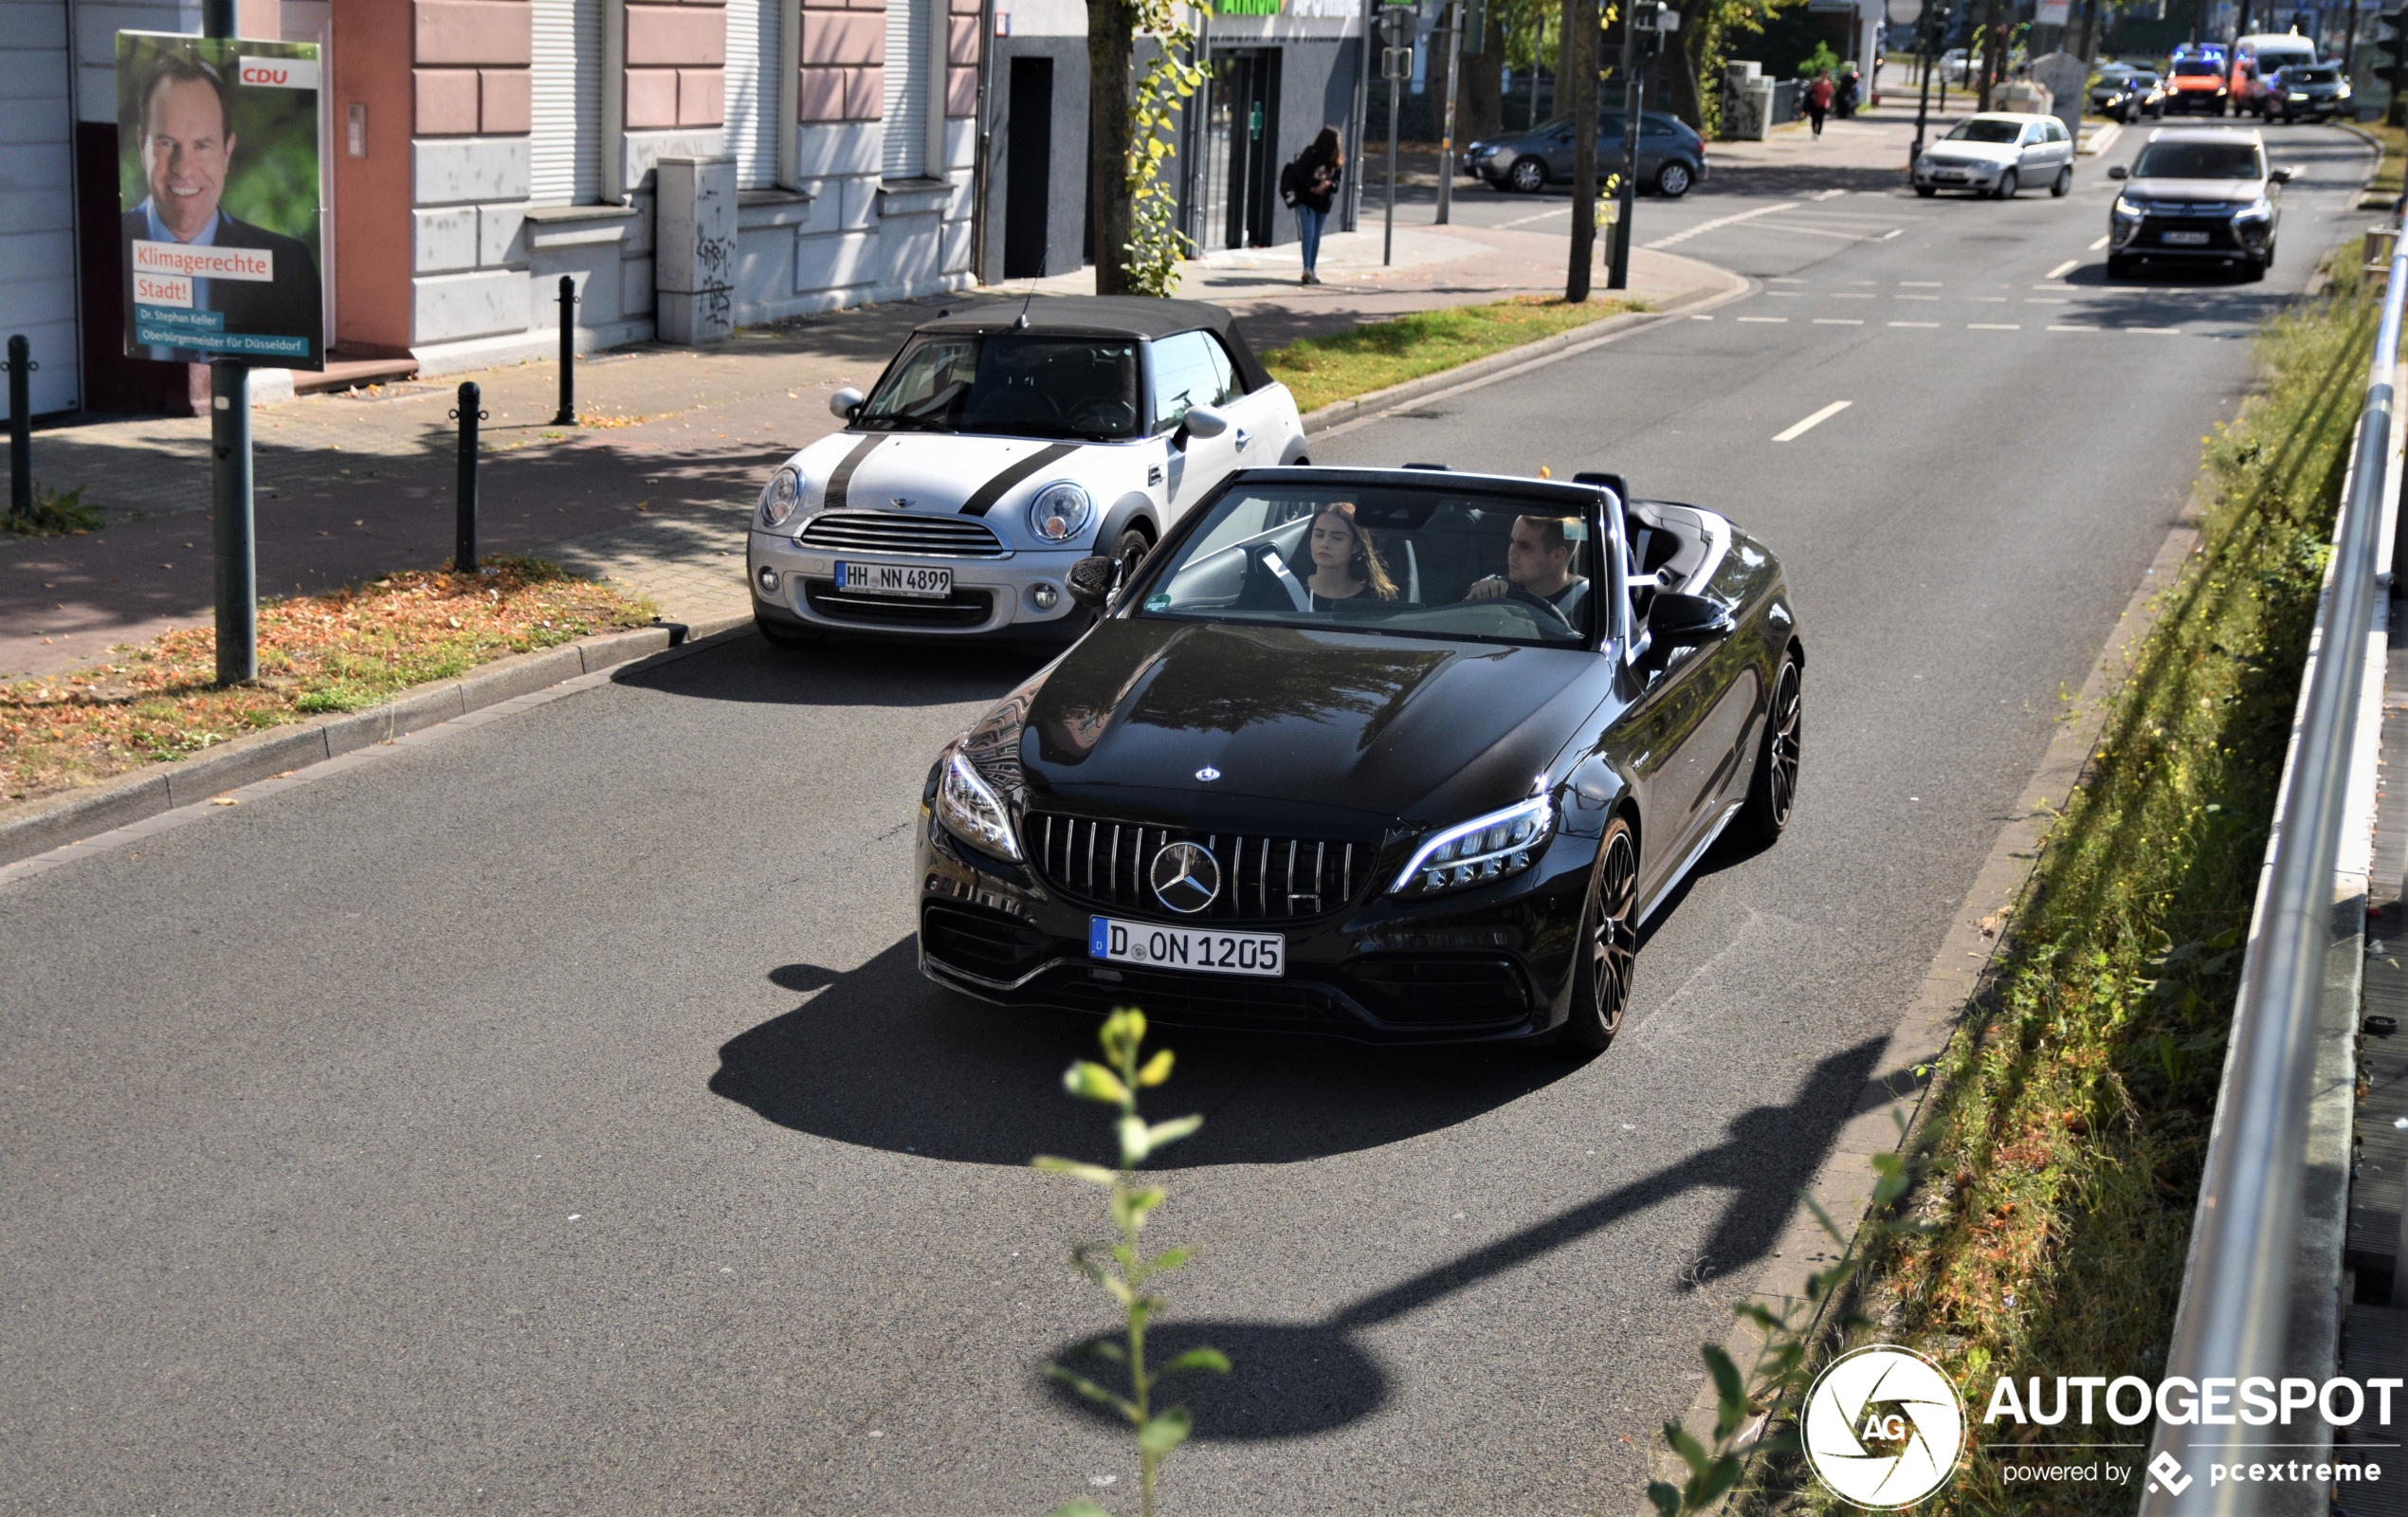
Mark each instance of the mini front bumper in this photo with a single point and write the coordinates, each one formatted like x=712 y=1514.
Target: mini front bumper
x=998 y=597
x=1495 y=963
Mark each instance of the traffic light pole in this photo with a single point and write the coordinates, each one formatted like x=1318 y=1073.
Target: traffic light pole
x=1446 y=137
x=1617 y=273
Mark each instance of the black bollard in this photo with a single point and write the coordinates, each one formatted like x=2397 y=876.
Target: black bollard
x=464 y=542
x=233 y=533
x=20 y=428
x=568 y=416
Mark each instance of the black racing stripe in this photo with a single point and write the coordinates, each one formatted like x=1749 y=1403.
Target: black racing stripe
x=992 y=491
x=842 y=480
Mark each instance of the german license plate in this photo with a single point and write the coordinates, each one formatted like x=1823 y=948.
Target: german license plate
x=894 y=579
x=2185 y=239
x=1949 y=175
x=1262 y=953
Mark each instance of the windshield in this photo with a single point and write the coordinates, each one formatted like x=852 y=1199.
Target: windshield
x=2302 y=74
x=2199 y=160
x=1418 y=562
x=1012 y=383
x=1978 y=131
x=2197 y=68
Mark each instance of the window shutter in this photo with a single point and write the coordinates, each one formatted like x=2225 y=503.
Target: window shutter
x=566 y=146
x=752 y=91
x=907 y=71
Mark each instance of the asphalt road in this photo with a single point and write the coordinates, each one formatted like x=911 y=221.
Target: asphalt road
x=550 y=1119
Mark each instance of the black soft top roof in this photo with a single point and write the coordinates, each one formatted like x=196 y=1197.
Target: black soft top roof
x=1120 y=316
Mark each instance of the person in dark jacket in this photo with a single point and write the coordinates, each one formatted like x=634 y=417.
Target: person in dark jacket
x=1309 y=187
x=187 y=148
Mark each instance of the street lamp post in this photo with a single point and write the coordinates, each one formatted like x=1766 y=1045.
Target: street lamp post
x=233 y=536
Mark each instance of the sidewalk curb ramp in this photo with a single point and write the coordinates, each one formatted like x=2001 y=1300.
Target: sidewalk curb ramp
x=1727 y=285
x=52 y=821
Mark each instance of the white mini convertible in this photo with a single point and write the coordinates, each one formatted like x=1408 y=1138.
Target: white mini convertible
x=1002 y=446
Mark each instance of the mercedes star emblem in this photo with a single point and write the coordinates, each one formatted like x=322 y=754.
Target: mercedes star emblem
x=1208 y=774
x=1185 y=877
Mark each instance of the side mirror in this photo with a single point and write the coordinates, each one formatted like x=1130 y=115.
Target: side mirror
x=1089 y=582
x=1203 y=421
x=844 y=403
x=2118 y=170
x=1680 y=621
x=2278 y=176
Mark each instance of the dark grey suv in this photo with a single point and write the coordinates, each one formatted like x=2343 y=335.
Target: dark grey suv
x=1672 y=157
x=2197 y=194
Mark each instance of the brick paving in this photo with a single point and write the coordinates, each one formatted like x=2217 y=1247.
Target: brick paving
x=650 y=492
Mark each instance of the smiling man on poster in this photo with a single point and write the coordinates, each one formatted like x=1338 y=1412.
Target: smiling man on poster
x=201 y=282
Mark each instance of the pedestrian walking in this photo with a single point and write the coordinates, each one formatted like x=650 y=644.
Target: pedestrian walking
x=1307 y=187
x=1818 y=95
x=1851 y=87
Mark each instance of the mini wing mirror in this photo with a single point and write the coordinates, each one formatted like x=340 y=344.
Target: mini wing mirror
x=1089 y=582
x=2278 y=176
x=1203 y=421
x=2117 y=171
x=1679 y=621
x=844 y=403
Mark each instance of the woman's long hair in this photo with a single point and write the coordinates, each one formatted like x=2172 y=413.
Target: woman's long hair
x=1326 y=149
x=1364 y=564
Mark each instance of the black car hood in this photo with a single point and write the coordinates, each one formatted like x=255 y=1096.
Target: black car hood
x=1349 y=729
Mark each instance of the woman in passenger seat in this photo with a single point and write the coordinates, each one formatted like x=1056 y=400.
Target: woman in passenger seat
x=1346 y=568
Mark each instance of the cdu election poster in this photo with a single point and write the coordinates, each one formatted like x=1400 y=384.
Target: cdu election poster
x=217 y=174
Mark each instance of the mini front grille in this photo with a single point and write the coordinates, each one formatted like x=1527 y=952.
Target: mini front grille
x=1262 y=877
x=903 y=532
x=963 y=608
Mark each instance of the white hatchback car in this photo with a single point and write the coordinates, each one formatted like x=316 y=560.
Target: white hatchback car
x=1997 y=154
x=1002 y=445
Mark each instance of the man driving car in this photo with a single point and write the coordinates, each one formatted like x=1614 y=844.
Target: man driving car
x=1538 y=565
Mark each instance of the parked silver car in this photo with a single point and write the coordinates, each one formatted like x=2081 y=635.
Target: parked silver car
x=1672 y=157
x=1002 y=445
x=1997 y=154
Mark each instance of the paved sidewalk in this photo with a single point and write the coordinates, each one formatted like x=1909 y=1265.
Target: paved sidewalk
x=650 y=492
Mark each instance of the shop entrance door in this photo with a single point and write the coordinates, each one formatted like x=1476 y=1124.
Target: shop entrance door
x=1241 y=172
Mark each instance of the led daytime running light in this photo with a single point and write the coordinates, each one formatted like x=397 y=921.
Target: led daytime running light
x=972 y=811
x=1486 y=848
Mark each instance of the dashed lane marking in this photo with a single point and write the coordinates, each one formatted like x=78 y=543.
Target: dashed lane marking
x=1763 y=319
x=2064 y=268
x=1705 y=227
x=1993 y=326
x=1812 y=422
x=1914 y=323
x=1838 y=320
x=2096 y=246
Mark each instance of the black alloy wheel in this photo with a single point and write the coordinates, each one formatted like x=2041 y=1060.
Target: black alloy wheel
x=1128 y=553
x=2009 y=183
x=1926 y=190
x=1527 y=176
x=1609 y=943
x=2119 y=266
x=1672 y=180
x=1772 y=791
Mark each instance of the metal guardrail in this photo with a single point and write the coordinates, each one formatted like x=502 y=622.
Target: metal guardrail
x=2236 y=1297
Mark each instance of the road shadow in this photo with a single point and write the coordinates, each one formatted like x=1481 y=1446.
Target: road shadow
x=882 y=1058
x=746 y=669
x=1297 y=1379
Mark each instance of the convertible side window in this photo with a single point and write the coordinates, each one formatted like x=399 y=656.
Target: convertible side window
x=1230 y=389
x=1184 y=377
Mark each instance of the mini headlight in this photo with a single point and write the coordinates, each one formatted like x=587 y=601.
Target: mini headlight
x=1486 y=848
x=972 y=811
x=1060 y=512
x=781 y=497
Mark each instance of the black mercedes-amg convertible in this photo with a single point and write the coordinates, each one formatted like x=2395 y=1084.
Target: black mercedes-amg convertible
x=1398 y=755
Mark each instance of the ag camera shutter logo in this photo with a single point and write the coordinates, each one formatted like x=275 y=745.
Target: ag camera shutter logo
x=1884 y=1427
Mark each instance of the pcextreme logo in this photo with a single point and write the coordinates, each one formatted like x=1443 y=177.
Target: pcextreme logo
x=1884 y=1427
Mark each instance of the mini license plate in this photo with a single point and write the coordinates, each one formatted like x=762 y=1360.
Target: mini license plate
x=1262 y=953
x=2185 y=239
x=894 y=579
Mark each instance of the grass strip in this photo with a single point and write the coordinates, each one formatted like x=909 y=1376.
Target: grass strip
x=2060 y=1168
x=54 y=515
x=1323 y=371
x=339 y=651
x=2386 y=184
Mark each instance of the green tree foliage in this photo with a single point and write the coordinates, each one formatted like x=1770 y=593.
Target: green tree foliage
x=1155 y=244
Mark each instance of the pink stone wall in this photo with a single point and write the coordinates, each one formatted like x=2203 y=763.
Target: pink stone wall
x=470 y=66
x=675 y=64
x=843 y=54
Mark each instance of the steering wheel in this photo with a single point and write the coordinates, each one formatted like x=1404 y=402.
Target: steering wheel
x=1544 y=608
x=1023 y=403
x=1100 y=413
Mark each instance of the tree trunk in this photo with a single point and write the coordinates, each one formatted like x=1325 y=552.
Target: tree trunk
x=1111 y=95
x=1480 y=106
x=1685 y=91
x=1580 y=36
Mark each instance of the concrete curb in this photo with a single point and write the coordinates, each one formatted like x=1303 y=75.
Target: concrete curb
x=1562 y=344
x=39 y=826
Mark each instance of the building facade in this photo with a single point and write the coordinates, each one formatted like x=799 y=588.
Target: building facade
x=476 y=151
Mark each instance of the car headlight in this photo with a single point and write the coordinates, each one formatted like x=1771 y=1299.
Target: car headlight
x=1487 y=150
x=971 y=811
x=2299 y=95
x=1060 y=512
x=1486 y=848
x=2259 y=210
x=2126 y=211
x=781 y=497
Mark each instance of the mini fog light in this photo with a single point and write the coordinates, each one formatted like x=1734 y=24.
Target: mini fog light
x=768 y=580
x=1043 y=597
